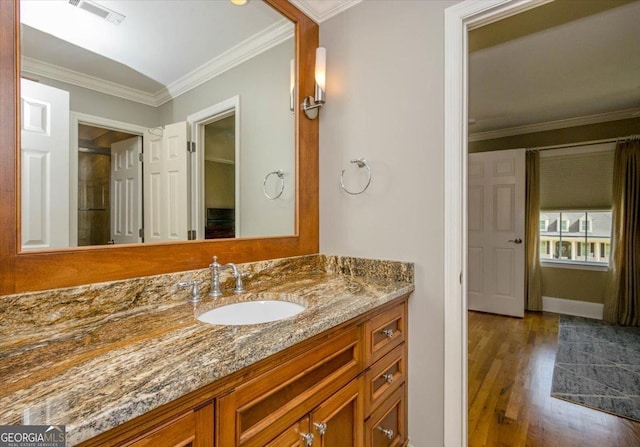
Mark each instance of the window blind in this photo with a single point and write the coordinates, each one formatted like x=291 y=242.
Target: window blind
x=578 y=178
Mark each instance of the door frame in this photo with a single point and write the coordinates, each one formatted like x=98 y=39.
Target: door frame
x=75 y=119
x=198 y=121
x=458 y=20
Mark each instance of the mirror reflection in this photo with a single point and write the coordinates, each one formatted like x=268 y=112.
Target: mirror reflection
x=154 y=121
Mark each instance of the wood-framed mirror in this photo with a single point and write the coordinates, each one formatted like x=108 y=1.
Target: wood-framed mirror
x=32 y=270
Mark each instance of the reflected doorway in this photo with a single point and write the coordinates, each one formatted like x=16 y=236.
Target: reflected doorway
x=104 y=189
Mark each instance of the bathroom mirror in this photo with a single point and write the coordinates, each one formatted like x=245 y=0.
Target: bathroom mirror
x=39 y=269
x=133 y=91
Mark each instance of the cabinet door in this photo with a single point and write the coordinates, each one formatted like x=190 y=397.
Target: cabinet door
x=193 y=429
x=337 y=422
x=262 y=408
x=295 y=436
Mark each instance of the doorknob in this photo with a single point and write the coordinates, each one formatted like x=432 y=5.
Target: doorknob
x=516 y=240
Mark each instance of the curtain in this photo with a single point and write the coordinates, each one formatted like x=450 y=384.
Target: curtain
x=532 y=277
x=622 y=300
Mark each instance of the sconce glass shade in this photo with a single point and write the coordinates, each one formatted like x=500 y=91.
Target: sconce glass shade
x=292 y=84
x=321 y=67
x=312 y=104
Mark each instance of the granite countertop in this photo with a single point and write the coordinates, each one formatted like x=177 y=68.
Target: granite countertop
x=94 y=357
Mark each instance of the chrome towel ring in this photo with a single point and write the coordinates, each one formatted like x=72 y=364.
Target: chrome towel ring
x=362 y=163
x=280 y=175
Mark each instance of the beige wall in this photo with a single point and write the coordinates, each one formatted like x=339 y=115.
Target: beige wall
x=571 y=284
x=91 y=102
x=385 y=102
x=219 y=185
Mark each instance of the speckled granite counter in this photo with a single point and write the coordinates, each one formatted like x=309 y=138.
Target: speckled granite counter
x=93 y=357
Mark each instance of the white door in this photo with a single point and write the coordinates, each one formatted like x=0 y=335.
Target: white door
x=45 y=166
x=496 y=208
x=166 y=184
x=126 y=193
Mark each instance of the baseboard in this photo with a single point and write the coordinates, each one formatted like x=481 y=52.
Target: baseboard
x=572 y=307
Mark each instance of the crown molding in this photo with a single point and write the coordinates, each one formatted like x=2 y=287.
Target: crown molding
x=245 y=50
x=62 y=74
x=319 y=11
x=554 y=125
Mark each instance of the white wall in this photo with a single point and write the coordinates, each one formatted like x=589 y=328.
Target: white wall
x=385 y=102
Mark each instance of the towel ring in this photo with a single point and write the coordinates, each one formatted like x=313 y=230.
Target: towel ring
x=280 y=175
x=362 y=163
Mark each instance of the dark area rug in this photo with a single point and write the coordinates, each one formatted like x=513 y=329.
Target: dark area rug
x=598 y=366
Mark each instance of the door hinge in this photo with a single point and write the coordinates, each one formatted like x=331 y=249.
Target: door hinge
x=140 y=157
x=191 y=235
x=460 y=277
x=191 y=146
x=141 y=232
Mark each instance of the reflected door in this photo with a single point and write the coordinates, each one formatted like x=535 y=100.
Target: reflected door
x=496 y=207
x=45 y=166
x=166 y=184
x=126 y=194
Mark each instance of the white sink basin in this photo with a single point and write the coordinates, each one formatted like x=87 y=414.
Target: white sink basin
x=251 y=312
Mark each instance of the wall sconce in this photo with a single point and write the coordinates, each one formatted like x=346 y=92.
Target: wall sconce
x=311 y=104
x=292 y=85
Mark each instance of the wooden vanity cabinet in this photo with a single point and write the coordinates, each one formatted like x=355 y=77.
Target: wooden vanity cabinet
x=343 y=388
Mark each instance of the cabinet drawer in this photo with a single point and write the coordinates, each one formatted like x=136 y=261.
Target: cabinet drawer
x=261 y=408
x=384 y=377
x=387 y=425
x=384 y=332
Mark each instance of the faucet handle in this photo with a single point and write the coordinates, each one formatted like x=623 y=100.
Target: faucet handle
x=239 y=284
x=195 y=295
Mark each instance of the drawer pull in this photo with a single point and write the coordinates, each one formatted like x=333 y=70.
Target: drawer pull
x=321 y=427
x=388 y=377
x=307 y=438
x=388 y=332
x=386 y=432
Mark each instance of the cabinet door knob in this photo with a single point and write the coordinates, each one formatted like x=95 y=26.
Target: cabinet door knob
x=307 y=438
x=386 y=432
x=388 y=377
x=321 y=427
x=388 y=332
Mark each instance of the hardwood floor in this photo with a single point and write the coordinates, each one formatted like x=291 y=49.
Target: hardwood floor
x=510 y=369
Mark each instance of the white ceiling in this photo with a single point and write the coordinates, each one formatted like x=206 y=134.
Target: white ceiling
x=586 y=68
x=157 y=50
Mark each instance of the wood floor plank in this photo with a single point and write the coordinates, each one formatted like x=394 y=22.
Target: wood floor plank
x=510 y=369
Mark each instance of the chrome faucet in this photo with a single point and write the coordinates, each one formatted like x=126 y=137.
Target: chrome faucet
x=216 y=268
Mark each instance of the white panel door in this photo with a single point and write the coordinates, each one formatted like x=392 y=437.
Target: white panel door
x=126 y=191
x=496 y=208
x=166 y=184
x=45 y=166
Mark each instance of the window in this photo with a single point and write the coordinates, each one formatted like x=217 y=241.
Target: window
x=544 y=223
x=586 y=225
x=576 y=236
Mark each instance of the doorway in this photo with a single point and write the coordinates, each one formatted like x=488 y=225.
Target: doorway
x=216 y=170
x=99 y=203
x=92 y=220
